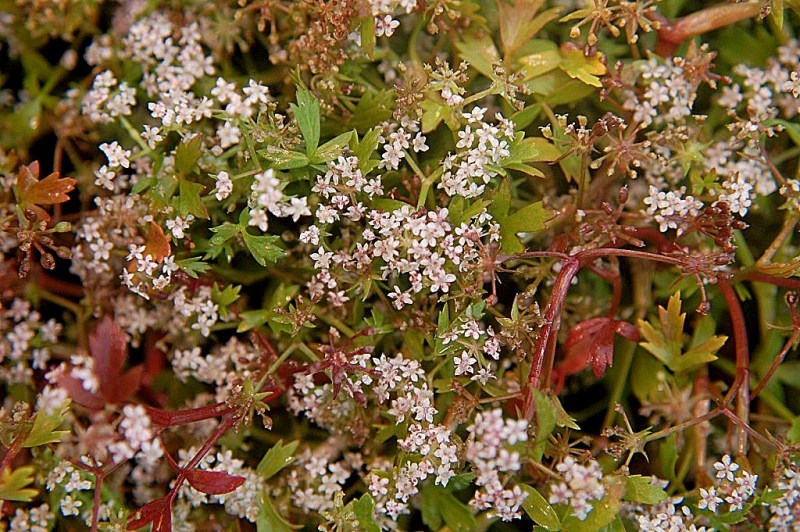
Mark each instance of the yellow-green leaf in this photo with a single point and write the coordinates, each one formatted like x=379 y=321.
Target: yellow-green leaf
x=45 y=425
x=13 y=484
x=586 y=69
x=664 y=339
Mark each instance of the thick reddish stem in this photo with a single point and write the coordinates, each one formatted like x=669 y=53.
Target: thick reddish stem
x=165 y=419
x=672 y=34
x=741 y=383
x=545 y=343
x=12 y=452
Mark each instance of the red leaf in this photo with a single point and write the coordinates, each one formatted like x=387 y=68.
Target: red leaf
x=109 y=348
x=213 y=482
x=78 y=393
x=31 y=192
x=157 y=244
x=51 y=190
x=591 y=342
x=158 y=512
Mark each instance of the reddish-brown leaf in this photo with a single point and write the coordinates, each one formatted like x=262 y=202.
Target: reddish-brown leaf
x=213 y=482
x=109 y=349
x=157 y=244
x=591 y=342
x=78 y=393
x=51 y=190
x=158 y=512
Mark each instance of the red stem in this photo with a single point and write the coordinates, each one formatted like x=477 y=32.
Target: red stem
x=672 y=34
x=12 y=452
x=741 y=383
x=775 y=363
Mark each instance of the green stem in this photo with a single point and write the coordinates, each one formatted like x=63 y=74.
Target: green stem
x=137 y=138
x=333 y=321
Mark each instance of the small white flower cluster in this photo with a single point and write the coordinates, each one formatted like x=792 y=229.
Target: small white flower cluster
x=785 y=510
x=66 y=477
x=145 y=273
x=432 y=452
x=25 y=342
x=582 y=484
x=670 y=209
x=763 y=95
x=475 y=344
x=138 y=440
x=316 y=480
x=490 y=449
x=171 y=66
x=399 y=140
x=225 y=364
x=267 y=196
x=420 y=246
x=668 y=95
x=242 y=502
x=317 y=400
x=791 y=192
x=384 y=11
x=480 y=145
x=113 y=228
x=35 y=519
x=108 y=99
x=405 y=379
x=733 y=485
x=668 y=516
x=199 y=305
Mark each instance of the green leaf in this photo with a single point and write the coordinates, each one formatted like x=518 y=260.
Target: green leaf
x=187 y=154
x=13 y=484
x=363 y=508
x=668 y=457
x=269 y=520
x=793 y=435
x=44 y=426
x=432 y=114
x=545 y=422
x=519 y=22
x=252 y=319
x=665 y=339
x=539 y=510
x=278 y=457
x=193 y=266
x=190 y=199
x=440 y=504
x=307 y=115
x=544 y=59
x=373 y=108
x=530 y=219
x=365 y=148
x=263 y=248
x=225 y=297
x=642 y=490
x=222 y=233
x=283 y=159
x=479 y=52
x=331 y=149
x=501 y=201
x=776 y=10
x=367 y=32
x=456 y=514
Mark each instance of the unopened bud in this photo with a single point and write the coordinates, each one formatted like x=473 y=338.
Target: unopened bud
x=48 y=261
x=791 y=298
x=64 y=252
x=62 y=227
x=622 y=196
